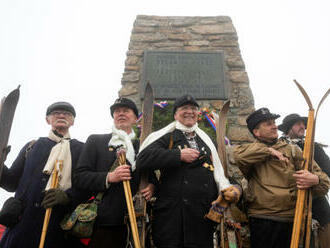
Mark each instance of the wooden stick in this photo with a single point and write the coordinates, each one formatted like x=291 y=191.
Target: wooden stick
x=53 y=185
x=130 y=206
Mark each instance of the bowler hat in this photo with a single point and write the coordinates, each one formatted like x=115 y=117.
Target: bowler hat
x=258 y=116
x=184 y=100
x=61 y=106
x=124 y=102
x=290 y=120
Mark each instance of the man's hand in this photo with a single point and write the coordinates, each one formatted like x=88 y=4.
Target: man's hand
x=189 y=155
x=121 y=173
x=278 y=155
x=148 y=191
x=55 y=197
x=305 y=179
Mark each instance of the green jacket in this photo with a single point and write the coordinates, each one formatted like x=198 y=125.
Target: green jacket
x=272 y=189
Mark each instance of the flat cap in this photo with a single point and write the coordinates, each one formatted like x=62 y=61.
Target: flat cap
x=258 y=116
x=61 y=106
x=124 y=102
x=184 y=100
x=290 y=120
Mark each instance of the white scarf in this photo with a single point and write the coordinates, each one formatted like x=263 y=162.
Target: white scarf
x=219 y=177
x=120 y=137
x=60 y=152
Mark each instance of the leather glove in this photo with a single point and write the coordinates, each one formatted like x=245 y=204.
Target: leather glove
x=232 y=193
x=55 y=197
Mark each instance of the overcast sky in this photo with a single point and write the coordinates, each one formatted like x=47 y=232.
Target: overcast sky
x=74 y=50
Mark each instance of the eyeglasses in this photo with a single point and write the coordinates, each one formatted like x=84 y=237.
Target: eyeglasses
x=58 y=113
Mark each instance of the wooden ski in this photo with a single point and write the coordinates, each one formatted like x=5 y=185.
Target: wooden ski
x=304 y=198
x=228 y=238
x=140 y=202
x=7 y=111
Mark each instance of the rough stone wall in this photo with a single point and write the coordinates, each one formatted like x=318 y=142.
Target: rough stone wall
x=193 y=34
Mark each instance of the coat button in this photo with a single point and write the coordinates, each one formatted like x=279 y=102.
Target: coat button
x=185 y=201
x=36 y=204
x=43 y=179
x=185 y=182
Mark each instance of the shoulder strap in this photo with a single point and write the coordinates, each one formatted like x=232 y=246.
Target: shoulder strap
x=29 y=147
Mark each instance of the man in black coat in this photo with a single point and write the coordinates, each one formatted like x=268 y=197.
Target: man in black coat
x=29 y=176
x=98 y=171
x=191 y=177
x=293 y=127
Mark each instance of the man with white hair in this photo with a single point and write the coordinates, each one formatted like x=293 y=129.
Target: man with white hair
x=191 y=177
x=30 y=175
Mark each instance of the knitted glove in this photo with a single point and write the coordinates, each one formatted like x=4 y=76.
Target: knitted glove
x=232 y=193
x=217 y=209
x=55 y=197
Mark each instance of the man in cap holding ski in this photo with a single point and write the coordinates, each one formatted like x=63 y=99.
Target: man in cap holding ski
x=273 y=170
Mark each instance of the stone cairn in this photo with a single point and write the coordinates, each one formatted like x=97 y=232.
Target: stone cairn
x=216 y=33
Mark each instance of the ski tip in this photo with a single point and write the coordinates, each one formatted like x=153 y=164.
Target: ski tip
x=18 y=87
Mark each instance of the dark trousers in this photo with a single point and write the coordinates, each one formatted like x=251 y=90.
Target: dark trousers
x=270 y=233
x=105 y=237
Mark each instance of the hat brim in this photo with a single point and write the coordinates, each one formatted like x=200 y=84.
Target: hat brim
x=118 y=105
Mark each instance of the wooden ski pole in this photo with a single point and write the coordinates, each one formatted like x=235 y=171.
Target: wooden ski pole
x=129 y=201
x=54 y=185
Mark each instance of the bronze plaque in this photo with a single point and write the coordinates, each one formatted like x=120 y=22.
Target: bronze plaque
x=175 y=73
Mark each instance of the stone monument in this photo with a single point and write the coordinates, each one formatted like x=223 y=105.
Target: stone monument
x=181 y=53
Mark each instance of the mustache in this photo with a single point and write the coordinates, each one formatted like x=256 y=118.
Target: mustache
x=62 y=120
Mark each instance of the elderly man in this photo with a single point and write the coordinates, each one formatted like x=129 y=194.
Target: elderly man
x=293 y=127
x=191 y=177
x=29 y=176
x=273 y=170
x=99 y=171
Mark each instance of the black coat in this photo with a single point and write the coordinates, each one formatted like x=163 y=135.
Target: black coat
x=90 y=175
x=25 y=177
x=320 y=205
x=184 y=193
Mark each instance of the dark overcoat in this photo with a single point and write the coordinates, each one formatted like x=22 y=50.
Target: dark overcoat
x=91 y=173
x=184 y=193
x=26 y=178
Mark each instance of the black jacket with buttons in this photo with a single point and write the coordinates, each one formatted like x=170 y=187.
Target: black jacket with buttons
x=184 y=193
x=90 y=175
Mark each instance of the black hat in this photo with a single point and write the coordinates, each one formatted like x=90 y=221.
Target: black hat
x=184 y=100
x=258 y=116
x=61 y=106
x=290 y=120
x=124 y=102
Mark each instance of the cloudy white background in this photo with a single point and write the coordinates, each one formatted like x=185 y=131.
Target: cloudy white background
x=74 y=50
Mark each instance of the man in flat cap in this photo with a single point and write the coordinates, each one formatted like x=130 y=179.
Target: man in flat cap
x=30 y=178
x=99 y=171
x=191 y=177
x=273 y=169
x=293 y=128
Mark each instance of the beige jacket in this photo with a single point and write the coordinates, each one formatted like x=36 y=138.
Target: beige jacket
x=272 y=189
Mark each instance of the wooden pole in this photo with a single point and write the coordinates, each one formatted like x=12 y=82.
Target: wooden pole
x=53 y=185
x=129 y=202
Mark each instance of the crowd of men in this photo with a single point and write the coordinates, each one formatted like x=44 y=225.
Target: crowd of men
x=191 y=179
